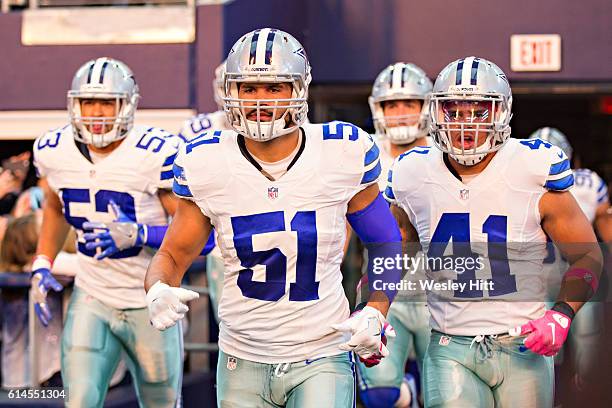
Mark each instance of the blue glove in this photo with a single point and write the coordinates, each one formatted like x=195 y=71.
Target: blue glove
x=122 y=233
x=42 y=282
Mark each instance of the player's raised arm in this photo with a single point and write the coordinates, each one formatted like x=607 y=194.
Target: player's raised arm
x=183 y=242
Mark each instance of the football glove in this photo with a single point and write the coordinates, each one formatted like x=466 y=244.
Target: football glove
x=42 y=283
x=167 y=304
x=369 y=333
x=547 y=334
x=110 y=238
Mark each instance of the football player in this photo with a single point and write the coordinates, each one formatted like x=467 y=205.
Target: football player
x=400 y=109
x=591 y=193
x=278 y=193
x=191 y=129
x=495 y=199
x=111 y=181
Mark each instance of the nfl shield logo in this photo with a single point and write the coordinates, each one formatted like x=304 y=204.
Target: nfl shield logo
x=231 y=363
x=464 y=194
x=272 y=193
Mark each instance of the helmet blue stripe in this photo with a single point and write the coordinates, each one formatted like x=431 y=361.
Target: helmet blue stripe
x=404 y=76
x=91 y=67
x=459 y=73
x=253 y=51
x=474 y=73
x=269 y=44
x=102 y=72
x=391 y=77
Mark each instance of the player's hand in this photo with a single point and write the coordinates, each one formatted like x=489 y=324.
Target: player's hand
x=122 y=233
x=42 y=283
x=167 y=304
x=547 y=334
x=369 y=333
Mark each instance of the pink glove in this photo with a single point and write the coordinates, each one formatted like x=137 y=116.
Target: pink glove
x=546 y=334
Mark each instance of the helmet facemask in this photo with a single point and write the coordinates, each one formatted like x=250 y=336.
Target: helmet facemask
x=121 y=123
x=287 y=114
x=400 y=129
x=459 y=122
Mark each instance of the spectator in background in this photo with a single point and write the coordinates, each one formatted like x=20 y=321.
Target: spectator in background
x=12 y=175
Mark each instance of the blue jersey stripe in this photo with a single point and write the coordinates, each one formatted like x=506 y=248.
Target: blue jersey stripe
x=390 y=176
x=169 y=160
x=371 y=155
x=602 y=185
x=166 y=175
x=181 y=190
x=561 y=184
x=559 y=168
x=389 y=193
x=372 y=174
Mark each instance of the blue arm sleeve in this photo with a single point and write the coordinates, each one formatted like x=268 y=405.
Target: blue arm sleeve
x=377 y=228
x=155 y=236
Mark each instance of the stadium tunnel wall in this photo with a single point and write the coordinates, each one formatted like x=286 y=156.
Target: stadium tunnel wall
x=347 y=41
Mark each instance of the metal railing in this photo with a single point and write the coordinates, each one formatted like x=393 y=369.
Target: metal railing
x=22 y=281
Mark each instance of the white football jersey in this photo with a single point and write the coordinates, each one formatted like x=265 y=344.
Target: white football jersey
x=282 y=241
x=493 y=220
x=590 y=191
x=130 y=176
x=202 y=123
x=386 y=159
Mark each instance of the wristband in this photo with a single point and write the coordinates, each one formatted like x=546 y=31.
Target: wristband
x=584 y=274
x=42 y=262
x=565 y=309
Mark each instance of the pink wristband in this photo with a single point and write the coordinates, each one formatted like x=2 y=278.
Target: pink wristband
x=42 y=261
x=584 y=274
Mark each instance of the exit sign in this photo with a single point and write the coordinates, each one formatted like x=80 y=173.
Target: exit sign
x=535 y=52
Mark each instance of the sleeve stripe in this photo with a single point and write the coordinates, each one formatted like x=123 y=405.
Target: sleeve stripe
x=602 y=185
x=559 y=176
x=178 y=172
x=561 y=184
x=559 y=168
x=166 y=175
x=169 y=160
x=390 y=177
x=388 y=194
x=181 y=190
x=371 y=155
x=372 y=174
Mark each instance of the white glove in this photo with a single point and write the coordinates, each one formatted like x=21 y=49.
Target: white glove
x=365 y=327
x=167 y=304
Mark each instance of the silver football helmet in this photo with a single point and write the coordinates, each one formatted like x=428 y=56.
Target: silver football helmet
x=266 y=55
x=471 y=98
x=103 y=78
x=218 y=85
x=555 y=137
x=401 y=81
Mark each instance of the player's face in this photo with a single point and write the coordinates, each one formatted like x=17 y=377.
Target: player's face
x=99 y=108
x=262 y=92
x=467 y=115
x=402 y=112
